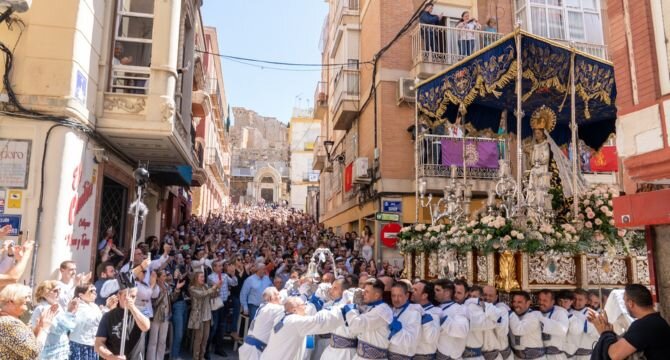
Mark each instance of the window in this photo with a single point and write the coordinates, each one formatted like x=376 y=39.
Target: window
x=572 y=20
x=132 y=46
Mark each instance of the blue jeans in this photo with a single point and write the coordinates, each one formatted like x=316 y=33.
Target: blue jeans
x=252 y=311
x=178 y=327
x=218 y=317
x=231 y=327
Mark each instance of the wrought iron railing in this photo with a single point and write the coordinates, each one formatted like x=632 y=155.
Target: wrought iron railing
x=447 y=45
x=592 y=49
x=432 y=159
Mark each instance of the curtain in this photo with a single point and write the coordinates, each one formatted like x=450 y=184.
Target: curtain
x=576 y=25
x=595 y=28
x=539 y=17
x=555 y=22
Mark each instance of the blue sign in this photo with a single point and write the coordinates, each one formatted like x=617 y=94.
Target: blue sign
x=80 y=87
x=14 y=221
x=392 y=206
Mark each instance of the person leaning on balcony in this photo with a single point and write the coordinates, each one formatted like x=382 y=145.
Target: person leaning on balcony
x=490 y=27
x=430 y=39
x=466 y=42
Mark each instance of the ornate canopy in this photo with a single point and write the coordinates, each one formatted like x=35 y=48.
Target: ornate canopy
x=484 y=84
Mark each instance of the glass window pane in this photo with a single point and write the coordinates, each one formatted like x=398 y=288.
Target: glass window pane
x=543 y=2
x=520 y=4
x=555 y=2
x=589 y=4
x=576 y=26
x=135 y=27
x=594 y=28
x=521 y=17
x=555 y=23
x=132 y=53
x=138 y=6
x=572 y=3
x=539 y=20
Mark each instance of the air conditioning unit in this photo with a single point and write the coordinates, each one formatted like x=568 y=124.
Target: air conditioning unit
x=406 y=90
x=360 y=171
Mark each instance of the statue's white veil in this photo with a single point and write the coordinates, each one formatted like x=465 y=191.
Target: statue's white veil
x=565 y=170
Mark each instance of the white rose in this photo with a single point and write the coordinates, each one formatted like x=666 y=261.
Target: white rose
x=520 y=236
x=611 y=222
x=489 y=237
x=514 y=233
x=598 y=222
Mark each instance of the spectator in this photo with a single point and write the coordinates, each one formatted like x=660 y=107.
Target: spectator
x=105 y=271
x=160 y=322
x=68 y=280
x=649 y=333
x=18 y=340
x=251 y=295
x=201 y=312
x=466 y=44
x=179 y=312
x=108 y=337
x=226 y=279
x=87 y=319
x=21 y=255
x=57 y=344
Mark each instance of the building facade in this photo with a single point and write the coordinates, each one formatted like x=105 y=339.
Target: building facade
x=303 y=133
x=212 y=134
x=260 y=159
x=103 y=88
x=641 y=54
x=367 y=110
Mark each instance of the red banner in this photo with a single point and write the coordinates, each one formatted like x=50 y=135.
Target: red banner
x=348 y=177
x=605 y=160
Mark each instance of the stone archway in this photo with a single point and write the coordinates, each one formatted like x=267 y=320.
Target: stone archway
x=267 y=184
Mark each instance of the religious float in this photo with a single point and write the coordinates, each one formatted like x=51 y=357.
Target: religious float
x=542 y=225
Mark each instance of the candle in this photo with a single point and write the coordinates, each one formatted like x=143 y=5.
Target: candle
x=422 y=186
x=453 y=171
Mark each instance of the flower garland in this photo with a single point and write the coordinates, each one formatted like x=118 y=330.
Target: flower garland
x=594 y=232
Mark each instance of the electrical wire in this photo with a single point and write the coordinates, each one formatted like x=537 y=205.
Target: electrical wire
x=265 y=67
x=271 y=62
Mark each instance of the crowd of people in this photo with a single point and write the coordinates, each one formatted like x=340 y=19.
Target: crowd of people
x=193 y=289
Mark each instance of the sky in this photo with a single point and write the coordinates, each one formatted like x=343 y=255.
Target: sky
x=276 y=30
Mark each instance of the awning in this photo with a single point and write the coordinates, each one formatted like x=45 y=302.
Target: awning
x=484 y=84
x=169 y=175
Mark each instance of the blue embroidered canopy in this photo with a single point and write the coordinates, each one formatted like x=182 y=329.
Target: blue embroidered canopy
x=484 y=84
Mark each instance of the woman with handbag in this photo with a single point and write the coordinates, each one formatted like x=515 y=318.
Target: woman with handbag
x=201 y=312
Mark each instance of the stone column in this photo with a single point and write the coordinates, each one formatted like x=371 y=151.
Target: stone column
x=164 y=54
x=661 y=254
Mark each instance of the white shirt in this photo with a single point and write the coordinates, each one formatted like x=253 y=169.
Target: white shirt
x=581 y=334
x=66 y=293
x=483 y=318
x=87 y=320
x=331 y=353
x=287 y=341
x=430 y=331
x=554 y=329
x=404 y=342
x=266 y=316
x=526 y=330
x=454 y=330
x=371 y=326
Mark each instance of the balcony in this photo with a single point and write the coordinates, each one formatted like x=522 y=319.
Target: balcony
x=434 y=47
x=599 y=51
x=319 y=154
x=346 y=11
x=320 y=100
x=433 y=162
x=215 y=164
x=346 y=95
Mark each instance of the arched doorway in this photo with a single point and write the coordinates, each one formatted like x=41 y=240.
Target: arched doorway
x=267 y=185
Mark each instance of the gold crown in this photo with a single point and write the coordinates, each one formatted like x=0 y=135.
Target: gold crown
x=543 y=118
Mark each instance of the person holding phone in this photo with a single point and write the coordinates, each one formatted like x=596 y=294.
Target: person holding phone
x=466 y=44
